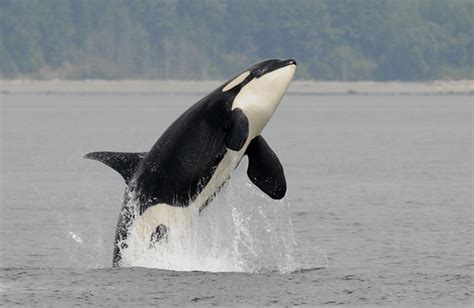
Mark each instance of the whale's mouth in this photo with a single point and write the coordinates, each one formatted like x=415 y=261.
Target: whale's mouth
x=271 y=65
x=256 y=71
x=261 y=69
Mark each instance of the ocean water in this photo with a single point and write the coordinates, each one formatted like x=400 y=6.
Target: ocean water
x=379 y=206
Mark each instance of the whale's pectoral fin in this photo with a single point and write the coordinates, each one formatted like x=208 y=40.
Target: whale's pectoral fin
x=123 y=163
x=265 y=170
x=237 y=130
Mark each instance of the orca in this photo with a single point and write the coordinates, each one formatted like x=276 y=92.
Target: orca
x=196 y=155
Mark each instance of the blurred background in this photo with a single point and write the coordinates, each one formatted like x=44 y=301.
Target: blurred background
x=196 y=40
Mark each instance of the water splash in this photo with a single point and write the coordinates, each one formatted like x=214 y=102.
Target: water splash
x=242 y=230
x=76 y=238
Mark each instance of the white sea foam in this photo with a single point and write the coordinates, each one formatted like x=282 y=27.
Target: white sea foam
x=240 y=231
x=76 y=238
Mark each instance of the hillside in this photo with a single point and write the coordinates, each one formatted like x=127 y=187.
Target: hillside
x=185 y=39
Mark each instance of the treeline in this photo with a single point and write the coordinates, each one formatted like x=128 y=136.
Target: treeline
x=210 y=39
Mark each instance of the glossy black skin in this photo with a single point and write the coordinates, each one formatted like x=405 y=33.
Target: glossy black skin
x=182 y=161
x=184 y=158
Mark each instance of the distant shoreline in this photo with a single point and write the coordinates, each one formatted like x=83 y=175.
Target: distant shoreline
x=177 y=87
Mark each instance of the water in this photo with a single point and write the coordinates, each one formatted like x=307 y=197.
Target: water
x=378 y=210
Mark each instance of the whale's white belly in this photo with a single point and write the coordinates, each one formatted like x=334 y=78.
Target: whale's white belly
x=178 y=219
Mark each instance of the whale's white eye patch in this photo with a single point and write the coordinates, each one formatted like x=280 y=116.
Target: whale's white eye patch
x=237 y=80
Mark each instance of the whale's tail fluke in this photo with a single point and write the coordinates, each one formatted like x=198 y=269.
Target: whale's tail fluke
x=123 y=163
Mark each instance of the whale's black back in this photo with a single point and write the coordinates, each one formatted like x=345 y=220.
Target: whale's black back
x=184 y=158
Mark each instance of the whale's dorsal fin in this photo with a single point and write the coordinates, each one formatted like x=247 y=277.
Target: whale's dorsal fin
x=265 y=170
x=123 y=163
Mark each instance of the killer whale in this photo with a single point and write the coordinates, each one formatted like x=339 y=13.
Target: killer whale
x=196 y=155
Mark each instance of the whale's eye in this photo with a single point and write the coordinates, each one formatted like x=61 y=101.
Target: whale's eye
x=160 y=233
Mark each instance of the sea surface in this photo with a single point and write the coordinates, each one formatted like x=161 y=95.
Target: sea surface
x=379 y=209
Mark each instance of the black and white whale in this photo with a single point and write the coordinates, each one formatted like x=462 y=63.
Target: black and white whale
x=196 y=155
